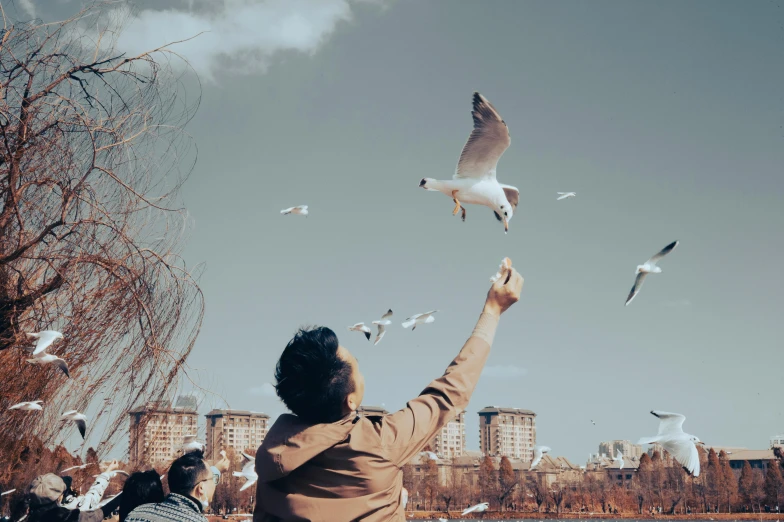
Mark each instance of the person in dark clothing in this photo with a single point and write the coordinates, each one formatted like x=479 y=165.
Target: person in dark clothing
x=143 y=487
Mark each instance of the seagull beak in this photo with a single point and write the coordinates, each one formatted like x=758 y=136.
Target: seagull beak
x=506 y=225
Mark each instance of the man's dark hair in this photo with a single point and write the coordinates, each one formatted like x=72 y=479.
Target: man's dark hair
x=186 y=472
x=142 y=487
x=312 y=381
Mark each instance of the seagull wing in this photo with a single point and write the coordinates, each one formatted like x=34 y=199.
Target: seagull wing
x=387 y=315
x=471 y=509
x=45 y=339
x=82 y=426
x=188 y=439
x=636 y=287
x=380 y=335
x=248 y=484
x=252 y=459
x=685 y=452
x=512 y=195
x=664 y=251
x=287 y=210
x=63 y=366
x=486 y=144
x=670 y=423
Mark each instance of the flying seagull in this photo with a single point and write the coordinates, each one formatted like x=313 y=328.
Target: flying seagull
x=77 y=467
x=48 y=358
x=248 y=472
x=360 y=327
x=430 y=455
x=474 y=180
x=618 y=459
x=27 y=406
x=45 y=339
x=414 y=320
x=539 y=452
x=564 y=195
x=191 y=444
x=477 y=508
x=78 y=418
x=592 y=422
x=301 y=210
x=382 y=324
x=680 y=445
x=648 y=267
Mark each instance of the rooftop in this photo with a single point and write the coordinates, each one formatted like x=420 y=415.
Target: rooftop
x=221 y=413
x=513 y=411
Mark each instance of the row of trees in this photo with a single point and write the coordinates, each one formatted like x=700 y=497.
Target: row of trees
x=656 y=486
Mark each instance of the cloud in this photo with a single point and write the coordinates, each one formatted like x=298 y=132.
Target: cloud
x=265 y=390
x=503 y=371
x=27 y=6
x=243 y=35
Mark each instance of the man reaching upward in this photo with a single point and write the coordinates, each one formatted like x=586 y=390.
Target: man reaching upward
x=326 y=463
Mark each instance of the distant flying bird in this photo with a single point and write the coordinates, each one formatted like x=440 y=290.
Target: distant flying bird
x=477 y=508
x=45 y=339
x=618 y=459
x=77 y=467
x=360 y=327
x=539 y=452
x=382 y=324
x=301 y=210
x=474 y=180
x=48 y=358
x=682 y=446
x=4 y=493
x=78 y=418
x=430 y=455
x=648 y=267
x=564 y=195
x=191 y=444
x=592 y=422
x=27 y=406
x=248 y=472
x=414 y=320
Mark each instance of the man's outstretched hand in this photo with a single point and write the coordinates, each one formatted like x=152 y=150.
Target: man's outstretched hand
x=505 y=291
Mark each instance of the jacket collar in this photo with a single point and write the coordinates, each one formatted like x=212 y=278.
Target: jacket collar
x=186 y=500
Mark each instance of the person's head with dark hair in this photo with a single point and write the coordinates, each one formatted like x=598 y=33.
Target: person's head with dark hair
x=317 y=378
x=190 y=475
x=142 y=487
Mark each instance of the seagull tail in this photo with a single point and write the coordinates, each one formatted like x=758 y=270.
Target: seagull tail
x=408 y=324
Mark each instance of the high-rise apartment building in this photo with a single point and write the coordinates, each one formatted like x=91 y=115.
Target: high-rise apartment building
x=158 y=430
x=237 y=429
x=610 y=447
x=507 y=432
x=777 y=440
x=450 y=440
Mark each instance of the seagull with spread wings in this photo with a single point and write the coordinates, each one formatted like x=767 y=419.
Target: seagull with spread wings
x=27 y=406
x=44 y=339
x=649 y=267
x=474 y=180
x=80 y=419
x=360 y=327
x=414 y=320
x=539 y=452
x=382 y=324
x=682 y=446
x=48 y=358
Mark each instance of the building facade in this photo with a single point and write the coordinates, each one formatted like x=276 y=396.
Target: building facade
x=507 y=432
x=237 y=429
x=777 y=440
x=158 y=430
x=627 y=449
x=450 y=441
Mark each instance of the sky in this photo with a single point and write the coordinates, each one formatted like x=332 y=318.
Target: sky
x=665 y=117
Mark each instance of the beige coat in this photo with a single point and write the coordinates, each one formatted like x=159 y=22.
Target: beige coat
x=351 y=469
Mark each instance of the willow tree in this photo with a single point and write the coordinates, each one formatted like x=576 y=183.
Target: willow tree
x=92 y=157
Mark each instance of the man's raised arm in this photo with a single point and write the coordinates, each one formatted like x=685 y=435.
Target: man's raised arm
x=406 y=432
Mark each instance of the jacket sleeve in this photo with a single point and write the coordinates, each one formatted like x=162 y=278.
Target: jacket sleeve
x=406 y=432
x=93 y=515
x=92 y=498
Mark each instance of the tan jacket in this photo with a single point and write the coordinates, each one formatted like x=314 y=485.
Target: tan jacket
x=351 y=469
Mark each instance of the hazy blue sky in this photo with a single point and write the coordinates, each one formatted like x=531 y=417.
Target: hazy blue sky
x=665 y=117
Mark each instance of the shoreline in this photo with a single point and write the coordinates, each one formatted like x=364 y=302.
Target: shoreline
x=528 y=515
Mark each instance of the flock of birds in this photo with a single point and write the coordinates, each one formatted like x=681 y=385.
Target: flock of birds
x=474 y=182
